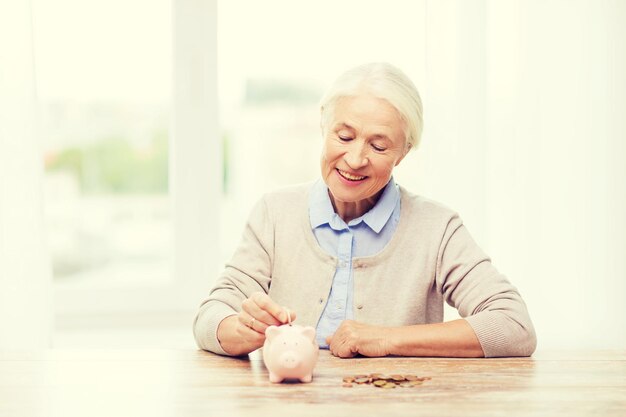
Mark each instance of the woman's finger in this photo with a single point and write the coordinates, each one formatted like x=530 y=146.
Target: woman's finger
x=252 y=308
x=251 y=336
x=246 y=320
x=267 y=304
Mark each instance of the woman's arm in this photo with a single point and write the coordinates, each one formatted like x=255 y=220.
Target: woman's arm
x=451 y=339
x=483 y=296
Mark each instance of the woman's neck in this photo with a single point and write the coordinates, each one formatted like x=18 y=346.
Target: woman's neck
x=351 y=210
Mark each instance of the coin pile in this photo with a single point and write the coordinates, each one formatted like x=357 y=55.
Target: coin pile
x=385 y=381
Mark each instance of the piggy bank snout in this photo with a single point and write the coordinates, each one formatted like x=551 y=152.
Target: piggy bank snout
x=290 y=360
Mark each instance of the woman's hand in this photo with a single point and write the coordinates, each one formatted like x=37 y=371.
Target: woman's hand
x=242 y=333
x=352 y=338
x=259 y=312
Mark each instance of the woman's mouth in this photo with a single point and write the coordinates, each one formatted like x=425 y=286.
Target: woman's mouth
x=350 y=177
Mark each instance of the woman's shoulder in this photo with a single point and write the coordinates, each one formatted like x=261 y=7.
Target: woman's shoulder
x=288 y=196
x=426 y=207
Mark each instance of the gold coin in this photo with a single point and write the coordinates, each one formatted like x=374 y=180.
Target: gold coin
x=385 y=381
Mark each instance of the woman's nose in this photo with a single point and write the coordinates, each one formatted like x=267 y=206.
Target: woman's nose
x=356 y=156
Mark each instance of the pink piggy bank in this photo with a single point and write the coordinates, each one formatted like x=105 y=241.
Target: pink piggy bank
x=290 y=352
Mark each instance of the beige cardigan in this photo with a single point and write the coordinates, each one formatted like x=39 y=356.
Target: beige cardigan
x=430 y=258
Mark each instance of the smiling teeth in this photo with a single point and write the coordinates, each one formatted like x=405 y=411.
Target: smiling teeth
x=350 y=176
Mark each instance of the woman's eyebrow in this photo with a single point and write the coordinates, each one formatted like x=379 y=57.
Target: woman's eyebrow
x=344 y=125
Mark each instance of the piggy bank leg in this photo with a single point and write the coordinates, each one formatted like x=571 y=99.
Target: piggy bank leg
x=275 y=378
x=307 y=378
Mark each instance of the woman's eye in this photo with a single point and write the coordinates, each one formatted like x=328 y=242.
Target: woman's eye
x=345 y=138
x=379 y=148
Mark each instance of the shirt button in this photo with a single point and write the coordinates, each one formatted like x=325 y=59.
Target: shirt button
x=360 y=306
x=321 y=300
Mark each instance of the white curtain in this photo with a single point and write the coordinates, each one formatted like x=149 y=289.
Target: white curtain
x=525 y=112
x=557 y=142
x=25 y=290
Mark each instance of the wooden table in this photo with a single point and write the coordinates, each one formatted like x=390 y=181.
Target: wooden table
x=181 y=383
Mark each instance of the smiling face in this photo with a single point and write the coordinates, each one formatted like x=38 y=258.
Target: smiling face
x=364 y=141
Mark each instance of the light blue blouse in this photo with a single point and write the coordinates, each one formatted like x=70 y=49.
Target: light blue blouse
x=363 y=236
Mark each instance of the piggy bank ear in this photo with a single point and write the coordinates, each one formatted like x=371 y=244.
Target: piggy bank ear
x=271 y=332
x=308 y=332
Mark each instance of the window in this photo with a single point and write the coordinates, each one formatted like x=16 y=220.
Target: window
x=103 y=72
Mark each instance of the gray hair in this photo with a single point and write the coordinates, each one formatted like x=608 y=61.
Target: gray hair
x=381 y=80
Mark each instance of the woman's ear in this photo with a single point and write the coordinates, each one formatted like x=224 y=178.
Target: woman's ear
x=407 y=148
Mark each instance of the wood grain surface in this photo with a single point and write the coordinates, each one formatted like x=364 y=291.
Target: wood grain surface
x=194 y=383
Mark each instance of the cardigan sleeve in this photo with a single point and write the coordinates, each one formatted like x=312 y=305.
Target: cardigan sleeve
x=483 y=296
x=248 y=271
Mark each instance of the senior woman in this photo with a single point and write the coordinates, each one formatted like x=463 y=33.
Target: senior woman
x=361 y=259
